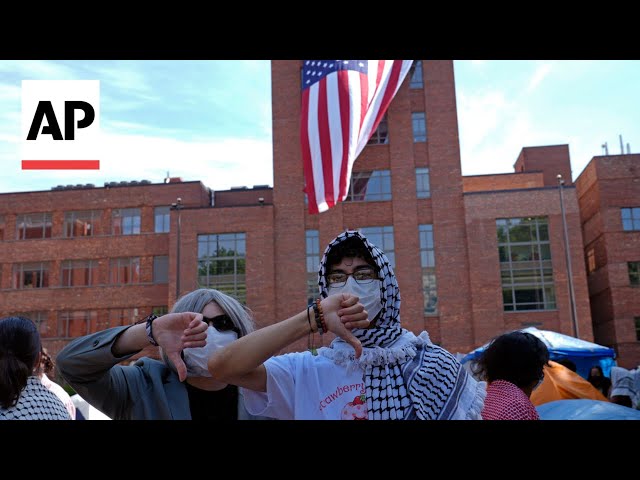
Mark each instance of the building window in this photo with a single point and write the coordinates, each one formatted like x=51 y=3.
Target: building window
x=33 y=225
x=161 y=269
x=591 y=261
x=370 y=186
x=31 y=275
x=630 y=218
x=82 y=224
x=381 y=237
x=419 y=122
x=161 y=217
x=1 y=228
x=423 y=188
x=222 y=263
x=159 y=311
x=634 y=273
x=428 y=264
x=125 y=221
x=122 y=316
x=73 y=324
x=40 y=319
x=313 y=264
x=416 y=75
x=637 y=322
x=525 y=264
x=381 y=135
x=79 y=273
x=124 y=271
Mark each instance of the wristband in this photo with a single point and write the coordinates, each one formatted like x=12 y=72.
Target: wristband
x=150 y=320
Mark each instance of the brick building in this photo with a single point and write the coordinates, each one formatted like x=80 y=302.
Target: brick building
x=609 y=197
x=474 y=256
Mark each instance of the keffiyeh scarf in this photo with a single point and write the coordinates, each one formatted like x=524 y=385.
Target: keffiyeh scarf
x=406 y=376
x=36 y=402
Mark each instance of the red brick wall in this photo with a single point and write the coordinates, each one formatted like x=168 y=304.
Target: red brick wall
x=248 y=197
x=551 y=160
x=606 y=185
x=257 y=223
x=483 y=209
x=101 y=248
x=449 y=230
x=509 y=181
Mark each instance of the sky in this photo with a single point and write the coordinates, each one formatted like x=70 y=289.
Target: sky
x=210 y=120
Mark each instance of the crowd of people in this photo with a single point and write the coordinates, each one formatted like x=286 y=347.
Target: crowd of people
x=215 y=365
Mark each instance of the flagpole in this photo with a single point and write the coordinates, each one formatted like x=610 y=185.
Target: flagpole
x=572 y=296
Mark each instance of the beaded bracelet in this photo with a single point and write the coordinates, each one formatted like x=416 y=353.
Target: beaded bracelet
x=320 y=314
x=316 y=311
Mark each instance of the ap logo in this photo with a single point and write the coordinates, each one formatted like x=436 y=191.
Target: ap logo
x=60 y=124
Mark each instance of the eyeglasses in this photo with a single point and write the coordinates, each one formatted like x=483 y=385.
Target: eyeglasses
x=362 y=277
x=222 y=323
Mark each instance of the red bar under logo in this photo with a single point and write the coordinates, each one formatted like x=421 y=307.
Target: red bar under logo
x=60 y=164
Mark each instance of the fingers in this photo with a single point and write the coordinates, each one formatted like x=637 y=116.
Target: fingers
x=198 y=329
x=358 y=324
x=196 y=322
x=179 y=364
x=348 y=300
x=354 y=342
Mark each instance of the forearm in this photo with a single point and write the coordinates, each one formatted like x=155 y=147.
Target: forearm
x=131 y=341
x=249 y=352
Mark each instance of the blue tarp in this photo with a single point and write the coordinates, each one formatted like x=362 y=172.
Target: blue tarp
x=584 y=354
x=585 y=409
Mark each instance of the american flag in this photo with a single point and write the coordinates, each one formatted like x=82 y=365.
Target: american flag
x=343 y=102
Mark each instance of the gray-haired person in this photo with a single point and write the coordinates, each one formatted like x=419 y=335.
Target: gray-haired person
x=179 y=387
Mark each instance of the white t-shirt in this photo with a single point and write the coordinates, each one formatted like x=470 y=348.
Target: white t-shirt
x=302 y=386
x=60 y=393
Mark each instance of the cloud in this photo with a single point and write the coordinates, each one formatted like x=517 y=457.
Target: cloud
x=480 y=115
x=541 y=72
x=36 y=70
x=219 y=164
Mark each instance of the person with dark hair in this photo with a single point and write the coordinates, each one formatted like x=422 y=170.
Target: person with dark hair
x=22 y=394
x=513 y=366
x=44 y=370
x=178 y=387
x=373 y=370
x=565 y=362
x=597 y=379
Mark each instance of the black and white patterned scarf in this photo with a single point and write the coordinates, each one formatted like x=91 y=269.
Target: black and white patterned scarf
x=36 y=402
x=406 y=376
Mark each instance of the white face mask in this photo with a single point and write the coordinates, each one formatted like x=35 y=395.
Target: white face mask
x=196 y=358
x=369 y=294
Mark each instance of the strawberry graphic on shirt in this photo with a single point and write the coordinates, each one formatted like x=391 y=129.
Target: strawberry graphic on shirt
x=356 y=409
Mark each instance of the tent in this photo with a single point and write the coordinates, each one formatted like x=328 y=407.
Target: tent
x=560 y=383
x=584 y=354
x=585 y=409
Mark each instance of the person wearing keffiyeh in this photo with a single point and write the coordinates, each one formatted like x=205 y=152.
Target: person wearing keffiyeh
x=373 y=370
